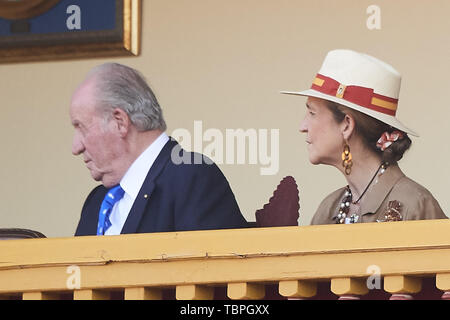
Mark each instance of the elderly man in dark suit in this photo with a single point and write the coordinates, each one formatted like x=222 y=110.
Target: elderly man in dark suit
x=149 y=184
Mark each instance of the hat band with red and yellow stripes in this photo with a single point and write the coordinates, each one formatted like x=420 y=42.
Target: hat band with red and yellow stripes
x=364 y=97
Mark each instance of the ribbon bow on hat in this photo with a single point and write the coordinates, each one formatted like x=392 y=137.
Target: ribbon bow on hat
x=387 y=139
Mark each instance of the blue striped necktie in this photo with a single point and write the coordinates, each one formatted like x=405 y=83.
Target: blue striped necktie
x=114 y=194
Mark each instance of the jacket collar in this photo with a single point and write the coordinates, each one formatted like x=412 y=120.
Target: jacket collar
x=380 y=190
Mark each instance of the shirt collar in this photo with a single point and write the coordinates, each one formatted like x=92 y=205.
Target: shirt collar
x=381 y=189
x=134 y=177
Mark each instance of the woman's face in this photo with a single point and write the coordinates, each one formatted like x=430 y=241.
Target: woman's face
x=324 y=136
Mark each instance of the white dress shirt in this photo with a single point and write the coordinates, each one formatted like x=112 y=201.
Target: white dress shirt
x=132 y=182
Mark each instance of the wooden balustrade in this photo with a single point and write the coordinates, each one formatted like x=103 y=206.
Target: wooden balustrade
x=308 y=262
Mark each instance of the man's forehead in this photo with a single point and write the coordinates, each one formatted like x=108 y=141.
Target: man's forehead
x=85 y=90
x=83 y=99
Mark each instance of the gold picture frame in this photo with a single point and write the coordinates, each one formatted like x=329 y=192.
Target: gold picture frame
x=123 y=40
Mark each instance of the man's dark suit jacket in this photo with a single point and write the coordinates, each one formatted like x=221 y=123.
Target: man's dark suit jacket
x=173 y=197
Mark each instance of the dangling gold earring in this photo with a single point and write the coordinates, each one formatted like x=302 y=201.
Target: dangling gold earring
x=347 y=159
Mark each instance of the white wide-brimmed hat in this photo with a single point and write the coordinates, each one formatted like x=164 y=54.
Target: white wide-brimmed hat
x=360 y=82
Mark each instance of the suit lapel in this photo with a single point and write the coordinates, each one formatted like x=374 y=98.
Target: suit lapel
x=137 y=210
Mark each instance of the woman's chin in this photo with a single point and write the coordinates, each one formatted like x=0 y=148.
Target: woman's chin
x=314 y=160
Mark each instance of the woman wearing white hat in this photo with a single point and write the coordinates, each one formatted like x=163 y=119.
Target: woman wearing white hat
x=351 y=124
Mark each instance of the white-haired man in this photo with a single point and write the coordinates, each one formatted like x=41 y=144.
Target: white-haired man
x=120 y=131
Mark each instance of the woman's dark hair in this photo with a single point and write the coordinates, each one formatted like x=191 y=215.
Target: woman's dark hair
x=370 y=130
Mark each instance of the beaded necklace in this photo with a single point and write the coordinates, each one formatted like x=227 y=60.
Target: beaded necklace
x=344 y=207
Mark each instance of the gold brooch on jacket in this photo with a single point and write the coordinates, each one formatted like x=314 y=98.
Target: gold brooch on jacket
x=393 y=212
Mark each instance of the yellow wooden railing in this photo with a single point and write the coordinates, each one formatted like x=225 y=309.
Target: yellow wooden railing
x=346 y=260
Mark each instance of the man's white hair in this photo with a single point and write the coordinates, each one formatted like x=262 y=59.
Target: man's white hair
x=119 y=86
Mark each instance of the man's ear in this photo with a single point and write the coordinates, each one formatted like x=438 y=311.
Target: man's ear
x=122 y=120
x=348 y=127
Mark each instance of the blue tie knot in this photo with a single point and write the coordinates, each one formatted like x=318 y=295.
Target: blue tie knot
x=112 y=196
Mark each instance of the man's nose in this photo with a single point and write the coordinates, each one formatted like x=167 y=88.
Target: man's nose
x=77 y=145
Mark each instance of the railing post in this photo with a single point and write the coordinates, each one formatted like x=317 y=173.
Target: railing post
x=402 y=287
x=39 y=296
x=245 y=290
x=194 y=292
x=143 y=293
x=297 y=288
x=91 y=295
x=443 y=283
x=349 y=288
